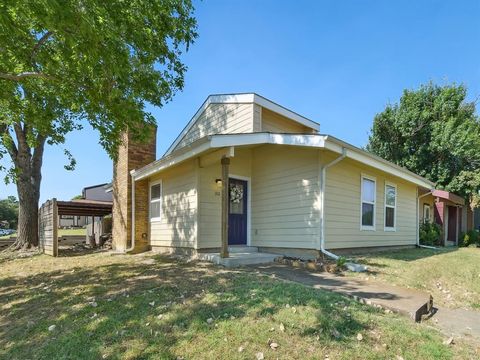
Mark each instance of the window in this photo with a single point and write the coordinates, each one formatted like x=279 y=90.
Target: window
x=155 y=201
x=390 y=206
x=368 y=203
x=426 y=213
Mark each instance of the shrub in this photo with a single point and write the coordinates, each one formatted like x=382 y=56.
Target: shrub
x=341 y=261
x=430 y=234
x=471 y=237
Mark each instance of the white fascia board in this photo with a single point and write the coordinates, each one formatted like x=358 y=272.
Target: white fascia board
x=267 y=138
x=362 y=156
x=221 y=141
x=270 y=105
x=243 y=99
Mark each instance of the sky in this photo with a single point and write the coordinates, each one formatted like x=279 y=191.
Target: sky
x=335 y=62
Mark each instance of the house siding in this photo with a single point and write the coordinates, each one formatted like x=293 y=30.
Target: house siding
x=285 y=197
x=343 y=203
x=276 y=123
x=177 y=226
x=220 y=119
x=210 y=196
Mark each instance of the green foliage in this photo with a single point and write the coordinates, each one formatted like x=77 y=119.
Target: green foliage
x=434 y=132
x=77 y=197
x=65 y=64
x=9 y=211
x=471 y=237
x=341 y=261
x=430 y=234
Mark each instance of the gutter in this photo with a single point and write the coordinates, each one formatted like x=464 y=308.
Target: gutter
x=418 y=226
x=323 y=175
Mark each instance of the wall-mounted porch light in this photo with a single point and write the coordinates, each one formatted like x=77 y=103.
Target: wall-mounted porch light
x=218 y=182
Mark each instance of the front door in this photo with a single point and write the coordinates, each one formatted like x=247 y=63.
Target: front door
x=452 y=224
x=237 y=212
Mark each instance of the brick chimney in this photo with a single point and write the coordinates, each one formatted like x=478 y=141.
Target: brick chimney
x=131 y=155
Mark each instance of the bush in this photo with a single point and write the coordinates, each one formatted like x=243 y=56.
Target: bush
x=430 y=234
x=471 y=237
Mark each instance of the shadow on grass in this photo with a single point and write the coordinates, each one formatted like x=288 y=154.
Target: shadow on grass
x=144 y=308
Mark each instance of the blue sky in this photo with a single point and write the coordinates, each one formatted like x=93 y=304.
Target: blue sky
x=335 y=62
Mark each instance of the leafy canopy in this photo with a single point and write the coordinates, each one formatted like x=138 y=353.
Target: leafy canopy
x=434 y=132
x=9 y=212
x=67 y=63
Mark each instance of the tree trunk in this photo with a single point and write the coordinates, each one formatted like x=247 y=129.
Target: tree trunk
x=28 y=167
x=27 y=231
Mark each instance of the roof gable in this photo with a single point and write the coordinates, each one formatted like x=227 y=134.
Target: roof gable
x=226 y=99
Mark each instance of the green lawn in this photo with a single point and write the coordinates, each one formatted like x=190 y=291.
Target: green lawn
x=61 y=232
x=153 y=307
x=451 y=275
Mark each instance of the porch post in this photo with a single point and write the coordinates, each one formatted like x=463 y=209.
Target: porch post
x=225 y=164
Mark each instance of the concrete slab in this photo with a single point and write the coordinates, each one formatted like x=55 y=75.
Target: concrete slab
x=411 y=303
x=458 y=322
x=238 y=258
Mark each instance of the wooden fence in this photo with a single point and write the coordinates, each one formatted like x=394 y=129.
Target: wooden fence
x=48 y=227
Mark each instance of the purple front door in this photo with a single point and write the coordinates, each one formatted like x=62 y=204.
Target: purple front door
x=237 y=212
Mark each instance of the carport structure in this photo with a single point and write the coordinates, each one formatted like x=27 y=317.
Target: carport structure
x=50 y=211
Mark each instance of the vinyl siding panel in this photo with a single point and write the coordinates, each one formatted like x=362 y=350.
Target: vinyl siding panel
x=221 y=119
x=178 y=224
x=210 y=196
x=276 y=123
x=285 y=197
x=343 y=203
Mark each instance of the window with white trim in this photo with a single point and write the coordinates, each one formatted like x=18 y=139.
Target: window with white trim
x=368 y=203
x=426 y=213
x=390 y=206
x=155 y=201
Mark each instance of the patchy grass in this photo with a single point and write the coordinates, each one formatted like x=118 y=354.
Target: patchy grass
x=452 y=275
x=61 y=232
x=153 y=307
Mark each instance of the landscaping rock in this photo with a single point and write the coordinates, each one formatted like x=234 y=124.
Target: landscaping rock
x=449 y=341
x=52 y=327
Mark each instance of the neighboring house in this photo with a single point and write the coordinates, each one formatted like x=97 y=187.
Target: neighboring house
x=95 y=192
x=291 y=189
x=449 y=211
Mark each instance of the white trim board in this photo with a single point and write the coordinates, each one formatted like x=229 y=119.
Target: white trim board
x=314 y=141
x=250 y=98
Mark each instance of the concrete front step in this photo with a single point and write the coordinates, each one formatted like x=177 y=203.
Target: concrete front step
x=242 y=249
x=238 y=258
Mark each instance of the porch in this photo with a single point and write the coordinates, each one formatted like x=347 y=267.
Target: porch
x=239 y=256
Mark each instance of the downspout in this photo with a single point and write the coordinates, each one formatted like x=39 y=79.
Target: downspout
x=323 y=174
x=418 y=227
x=132 y=245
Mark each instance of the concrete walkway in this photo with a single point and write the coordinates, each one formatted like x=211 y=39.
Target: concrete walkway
x=458 y=322
x=408 y=302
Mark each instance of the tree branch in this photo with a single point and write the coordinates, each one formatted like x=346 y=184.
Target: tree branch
x=24 y=75
x=40 y=42
x=9 y=144
x=37 y=157
x=21 y=138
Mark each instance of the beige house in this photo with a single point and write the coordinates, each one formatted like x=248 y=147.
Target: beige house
x=290 y=189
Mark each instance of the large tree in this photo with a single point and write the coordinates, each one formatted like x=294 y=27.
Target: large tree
x=435 y=132
x=67 y=63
